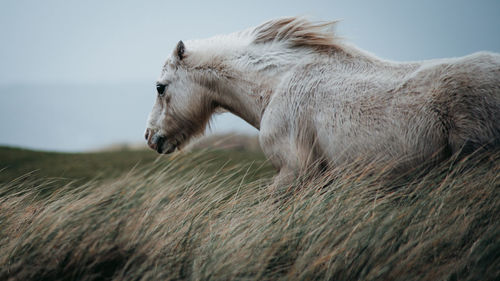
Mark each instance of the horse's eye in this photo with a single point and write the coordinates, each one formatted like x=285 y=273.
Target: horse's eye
x=160 y=88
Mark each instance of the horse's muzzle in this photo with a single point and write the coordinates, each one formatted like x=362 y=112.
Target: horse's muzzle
x=159 y=143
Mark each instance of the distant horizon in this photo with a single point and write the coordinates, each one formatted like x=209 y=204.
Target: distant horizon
x=78 y=119
x=141 y=145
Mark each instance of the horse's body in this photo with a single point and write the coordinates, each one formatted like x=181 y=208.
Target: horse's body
x=319 y=101
x=410 y=112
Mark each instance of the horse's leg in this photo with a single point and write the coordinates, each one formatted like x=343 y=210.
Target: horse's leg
x=282 y=182
x=280 y=153
x=293 y=164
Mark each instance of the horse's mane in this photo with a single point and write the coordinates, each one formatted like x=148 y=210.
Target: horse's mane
x=298 y=32
x=292 y=32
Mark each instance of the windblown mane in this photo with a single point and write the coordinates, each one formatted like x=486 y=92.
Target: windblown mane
x=298 y=32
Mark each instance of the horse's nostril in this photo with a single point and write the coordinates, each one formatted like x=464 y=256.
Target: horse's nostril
x=160 y=140
x=146 y=135
x=159 y=144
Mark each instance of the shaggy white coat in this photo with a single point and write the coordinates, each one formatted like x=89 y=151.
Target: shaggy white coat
x=319 y=102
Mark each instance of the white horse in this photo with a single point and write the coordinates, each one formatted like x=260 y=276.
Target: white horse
x=317 y=100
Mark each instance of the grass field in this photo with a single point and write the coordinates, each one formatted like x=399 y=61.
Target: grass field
x=209 y=215
x=57 y=169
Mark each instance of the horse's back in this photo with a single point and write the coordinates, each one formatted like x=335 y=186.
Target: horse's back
x=410 y=112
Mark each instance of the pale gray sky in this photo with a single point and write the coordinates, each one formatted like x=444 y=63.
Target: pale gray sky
x=77 y=75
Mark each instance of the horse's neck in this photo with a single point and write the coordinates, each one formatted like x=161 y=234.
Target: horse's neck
x=251 y=81
x=253 y=78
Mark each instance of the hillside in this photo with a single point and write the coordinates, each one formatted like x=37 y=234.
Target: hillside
x=60 y=168
x=210 y=215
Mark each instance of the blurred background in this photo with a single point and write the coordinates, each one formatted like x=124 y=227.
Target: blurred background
x=80 y=75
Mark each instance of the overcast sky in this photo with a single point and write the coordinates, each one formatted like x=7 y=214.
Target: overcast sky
x=77 y=75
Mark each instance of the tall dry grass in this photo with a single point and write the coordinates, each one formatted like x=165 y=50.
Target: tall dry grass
x=181 y=220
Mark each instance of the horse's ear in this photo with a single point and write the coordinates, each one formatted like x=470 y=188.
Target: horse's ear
x=179 y=50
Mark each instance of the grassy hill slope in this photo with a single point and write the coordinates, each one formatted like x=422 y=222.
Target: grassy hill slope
x=211 y=216
x=58 y=169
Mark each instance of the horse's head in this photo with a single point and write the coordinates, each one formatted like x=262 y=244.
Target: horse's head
x=182 y=108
